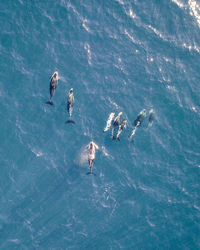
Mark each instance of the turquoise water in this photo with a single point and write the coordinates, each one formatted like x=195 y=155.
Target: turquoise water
x=117 y=55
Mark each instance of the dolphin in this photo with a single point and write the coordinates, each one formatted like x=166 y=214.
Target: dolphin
x=70 y=103
x=53 y=86
x=151 y=117
x=116 y=122
x=109 y=121
x=138 y=121
x=91 y=155
x=121 y=127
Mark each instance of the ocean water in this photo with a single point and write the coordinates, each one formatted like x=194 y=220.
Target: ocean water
x=119 y=56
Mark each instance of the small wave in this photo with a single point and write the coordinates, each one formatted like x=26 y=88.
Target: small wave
x=11 y=178
x=167 y=59
x=129 y=36
x=105 y=152
x=198 y=208
x=173 y=89
x=158 y=33
x=83 y=20
x=149 y=222
x=35 y=151
x=113 y=103
x=194 y=109
x=38 y=154
x=132 y=14
x=150 y=59
x=120 y=66
x=84 y=24
x=89 y=54
x=16 y=241
x=120 y=2
x=180 y=5
x=19 y=126
x=190 y=47
x=48 y=16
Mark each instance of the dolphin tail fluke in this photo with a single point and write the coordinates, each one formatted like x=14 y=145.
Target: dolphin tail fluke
x=70 y=121
x=49 y=102
x=90 y=170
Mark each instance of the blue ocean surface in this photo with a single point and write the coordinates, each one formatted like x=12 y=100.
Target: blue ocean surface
x=118 y=56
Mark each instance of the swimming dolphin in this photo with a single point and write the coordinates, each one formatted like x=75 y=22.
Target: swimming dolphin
x=53 y=86
x=109 y=121
x=91 y=155
x=70 y=103
x=116 y=122
x=121 y=127
x=138 y=121
x=151 y=117
x=140 y=118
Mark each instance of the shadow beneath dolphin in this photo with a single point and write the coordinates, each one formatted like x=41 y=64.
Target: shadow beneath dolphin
x=70 y=121
x=131 y=139
x=90 y=173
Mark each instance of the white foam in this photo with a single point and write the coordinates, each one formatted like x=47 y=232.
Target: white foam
x=195 y=10
x=82 y=156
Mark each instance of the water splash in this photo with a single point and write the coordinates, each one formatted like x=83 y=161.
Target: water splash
x=82 y=157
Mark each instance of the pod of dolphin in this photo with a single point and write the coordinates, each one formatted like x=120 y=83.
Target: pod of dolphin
x=112 y=121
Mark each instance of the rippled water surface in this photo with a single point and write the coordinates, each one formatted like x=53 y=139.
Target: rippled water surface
x=118 y=56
